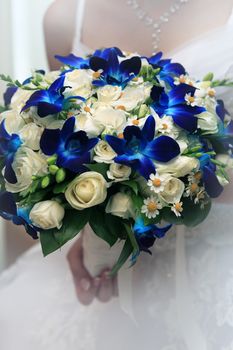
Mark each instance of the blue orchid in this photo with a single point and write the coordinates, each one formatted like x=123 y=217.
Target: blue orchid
x=147 y=234
x=112 y=71
x=174 y=105
x=139 y=148
x=19 y=216
x=8 y=94
x=210 y=180
x=168 y=70
x=9 y=145
x=74 y=61
x=72 y=148
x=50 y=101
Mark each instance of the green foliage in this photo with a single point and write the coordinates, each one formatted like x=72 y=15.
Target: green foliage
x=192 y=214
x=60 y=187
x=3 y=109
x=133 y=185
x=100 y=168
x=208 y=77
x=108 y=227
x=15 y=83
x=125 y=254
x=35 y=197
x=73 y=222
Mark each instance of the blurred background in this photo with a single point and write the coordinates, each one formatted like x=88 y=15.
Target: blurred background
x=22 y=49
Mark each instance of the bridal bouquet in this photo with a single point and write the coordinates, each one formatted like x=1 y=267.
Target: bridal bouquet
x=127 y=144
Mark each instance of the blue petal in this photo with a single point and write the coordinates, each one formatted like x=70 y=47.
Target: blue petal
x=7 y=203
x=156 y=92
x=73 y=61
x=97 y=63
x=9 y=93
x=44 y=109
x=145 y=167
x=212 y=185
x=117 y=144
x=132 y=65
x=9 y=174
x=159 y=232
x=72 y=162
x=148 y=130
x=154 y=60
x=50 y=141
x=57 y=84
x=174 y=68
x=162 y=149
x=36 y=97
x=177 y=94
x=68 y=127
x=183 y=116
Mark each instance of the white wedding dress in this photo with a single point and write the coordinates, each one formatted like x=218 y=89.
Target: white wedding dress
x=182 y=296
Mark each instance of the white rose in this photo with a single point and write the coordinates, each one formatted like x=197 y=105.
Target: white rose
x=208 y=122
x=173 y=190
x=13 y=121
x=80 y=83
x=179 y=166
x=47 y=214
x=104 y=153
x=86 y=123
x=121 y=205
x=31 y=135
x=133 y=95
x=51 y=76
x=110 y=119
x=86 y=190
x=118 y=172
x=26 y=164
x=20 y=98
x=108 y=93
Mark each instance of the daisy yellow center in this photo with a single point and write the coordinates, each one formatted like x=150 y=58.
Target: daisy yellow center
x=121 y=135
x=198 y=175
x=193 y=187
x=135 y=79
x=135 y=122
x=211 y=92
x=156 y=182
x=178 y=207
x=191 y=99
x=165 y=126
x=87 y=109
x=152 y=206
x=121 y=107
x=96 y=75
x=70 y=114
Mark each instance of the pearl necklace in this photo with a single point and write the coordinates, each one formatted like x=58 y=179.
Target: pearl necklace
x=155 y=24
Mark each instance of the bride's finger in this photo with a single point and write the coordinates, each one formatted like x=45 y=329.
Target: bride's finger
x=105 y=291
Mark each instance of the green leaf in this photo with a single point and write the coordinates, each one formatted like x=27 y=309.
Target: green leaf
x=100 y=168
x=125 y=254
x=73 y=223
x=133 y=240
x=106 y=226
x=2 y=109
x=192 y=214
x=208 y=77
x=132 y=184
x=60 y=188
x=35 y=197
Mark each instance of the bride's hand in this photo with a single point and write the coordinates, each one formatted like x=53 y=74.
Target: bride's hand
x=87 y=288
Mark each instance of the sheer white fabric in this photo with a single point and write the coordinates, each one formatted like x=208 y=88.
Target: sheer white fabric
x=182 y=295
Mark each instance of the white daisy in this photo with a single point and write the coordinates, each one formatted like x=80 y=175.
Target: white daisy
x=183 y=79
x=134 y=120
x=156 y=182
x=191 y=190
x=165 y=125
x=151 y=207
x=177 y=208
x=191 y=100
x=195 y=177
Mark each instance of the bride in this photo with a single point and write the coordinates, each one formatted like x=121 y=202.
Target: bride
x=181 y=298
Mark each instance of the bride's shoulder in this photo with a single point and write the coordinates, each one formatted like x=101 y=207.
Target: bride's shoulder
x=59 y=29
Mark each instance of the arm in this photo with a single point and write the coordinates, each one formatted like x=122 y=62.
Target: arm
x=59 y=29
